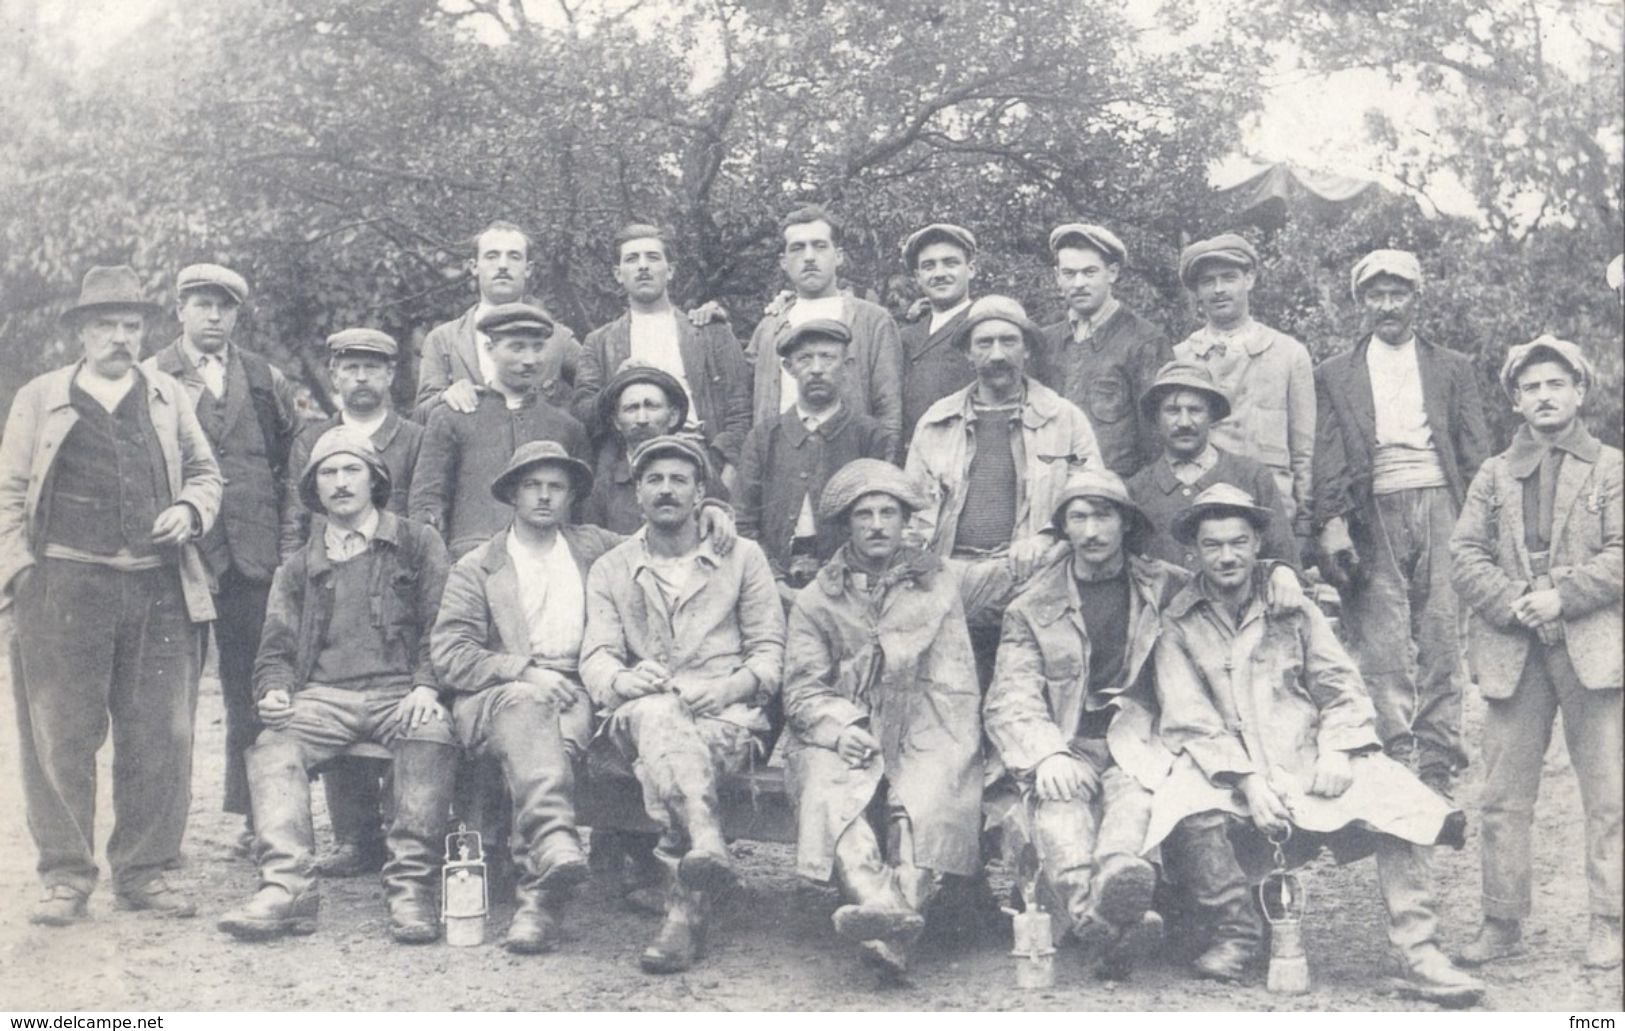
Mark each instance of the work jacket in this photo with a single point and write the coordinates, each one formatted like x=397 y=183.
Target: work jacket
x=1105 y=375
x=397 y=441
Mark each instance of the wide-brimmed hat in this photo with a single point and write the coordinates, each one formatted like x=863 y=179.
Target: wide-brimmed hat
x=1228 y=248
x=1183 y=375
x=1102 y=485
x=218 y=277
x=937 y=232
x=867 y=476
x=1098 y=237
x=1219 y=499
x=1545 y=348
x=516 y=318
x=997 y=306
x=344 y=440
x=671 y=445
x=610 y=396
x=1400 y=264
x=372 y=341
x=540 y=452
x=106 y=287
x=823 y=329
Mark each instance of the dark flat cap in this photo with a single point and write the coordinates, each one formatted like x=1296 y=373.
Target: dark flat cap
x=671 y=445
x=937 y=232
x=824 y=329
x=516 y=318
x=1099 y=237
x=362 y=339
x=1228 y=248
x=610 y=397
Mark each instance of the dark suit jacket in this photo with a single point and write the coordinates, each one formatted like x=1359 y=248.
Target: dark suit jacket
x=450 y=353
x=933 y=367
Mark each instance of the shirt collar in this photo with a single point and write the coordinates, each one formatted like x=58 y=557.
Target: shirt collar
x=704 y=557
x=1091 y=326
x=195 y=358
x=366 y=426
x=338 y=539
x=813 y=420
x=1527 y=452
x=1203 y=462
x=942 y=318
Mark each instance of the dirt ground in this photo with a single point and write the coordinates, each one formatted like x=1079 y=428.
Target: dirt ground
x=772 y=947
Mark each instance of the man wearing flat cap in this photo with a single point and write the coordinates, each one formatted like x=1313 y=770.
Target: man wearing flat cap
x=456 y=362
x=1537 y=557
x=683 y=649
x=1267 y=375
x=106 y=483
x=1182 y=405
x=1102 y=356
x=993 y=457
x=361 y=364
x=247 y=410
x=942 y=259
x=1401 y=434
x=810 y=260
x=704 y=359
x=639 y=403
x=788 y=461
x=1271 y=730
x=345 y=659
x=884 y=759
x=464 y=451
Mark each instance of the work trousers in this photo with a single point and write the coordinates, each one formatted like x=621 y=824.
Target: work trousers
x=96 y=648
x=1516 y=733
x=239 y=618
x=677 y=756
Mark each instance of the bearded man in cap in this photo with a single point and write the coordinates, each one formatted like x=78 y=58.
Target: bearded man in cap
x=345 y=659
x=788 y=461
x=464 y=451
x=683 y=649
x=1401 y=434
x=247 y=410
x=1102 y=356
x=884 y=759
x=942 y=259
x=1267 y=374
x=639 y=403
x=1269 y=723
x=106 y=483
x=1537 y=555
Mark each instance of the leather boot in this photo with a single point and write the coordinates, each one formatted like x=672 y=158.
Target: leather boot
x=62 y=905
x=1603 y=944
x=424 y=774
x=643 y=881
x=271 y=913
x=1496 y=939
x=351 y=786
x=877 y=908
x=1064 y=835
x=706 y=866
x=1201 y=854
x=1428 y=974
x=536 y=922
x=287 y=900
x=1122 y=902
x=681 y=938
x=525 y=739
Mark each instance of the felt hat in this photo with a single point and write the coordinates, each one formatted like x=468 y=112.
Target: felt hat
x=540 y=452
x=1219 y=499
x=108 y=287
x=1184 y=375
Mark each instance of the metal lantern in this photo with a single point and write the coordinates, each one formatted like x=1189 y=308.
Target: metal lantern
x=1285 y=900
x=1032 y=942
x=464 y=895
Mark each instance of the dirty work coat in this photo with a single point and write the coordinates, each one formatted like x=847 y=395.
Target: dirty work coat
x=901 y=662
x=1265 y=696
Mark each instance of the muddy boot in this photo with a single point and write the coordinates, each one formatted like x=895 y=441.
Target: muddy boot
x=536 y=922
x=1200 y=852
x=425 y=774
x=706 y=866
x=287 y=901
x=272 y=913
x=1064 y=836
x=877 y=908
x=1496 y=939
x=351 y=786
x=1428 y=974
x=643 y=881
x=681 y=938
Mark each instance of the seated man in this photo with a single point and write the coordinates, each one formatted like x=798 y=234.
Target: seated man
x=1269 y=721
x=344 y=659
x=881 y=700
x=683 y=648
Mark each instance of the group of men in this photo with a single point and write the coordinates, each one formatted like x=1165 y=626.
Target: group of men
x=980 y=573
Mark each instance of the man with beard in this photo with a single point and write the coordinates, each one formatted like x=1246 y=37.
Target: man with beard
x=1267 y=375
x=787 y=462
x=1401 y=434
x=683 y=649
x=1102 y=356
x=106 y=480
x=811 y=258
x=361 y=363
x=345 y=659
x=942 y=259
x=464 y=451
x=456 y=364
x=704 y=359
x=247 y=410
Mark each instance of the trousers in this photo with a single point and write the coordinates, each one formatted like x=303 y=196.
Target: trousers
x=239 y=618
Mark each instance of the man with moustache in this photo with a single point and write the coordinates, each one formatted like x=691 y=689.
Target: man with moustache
x=106 y=482
x=810 y=260
x=361 y=364
x=942 y=259
x=1537 y=554
x=683 y=649
x=1102 y=356
x=704 y=359
x=247 y=410
x=639 y=403
x=787 y=462
x=456 y=360
x=1402 y=432
x=464 y=451
x=345 y=659
x=1267 y=375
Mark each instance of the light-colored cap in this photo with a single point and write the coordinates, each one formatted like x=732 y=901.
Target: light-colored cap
x=1402 y=264
x=195 y=277
x=1089 y=235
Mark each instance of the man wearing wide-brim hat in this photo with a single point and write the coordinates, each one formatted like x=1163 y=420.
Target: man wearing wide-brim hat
x=1269 y=723
x=880 y=699
x=640 y=402
x=345 y=659
x=106 y=483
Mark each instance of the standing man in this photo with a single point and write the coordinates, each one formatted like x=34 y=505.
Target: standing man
x=639 y=403
x=788 y=461
x=456 y=361
x=1267 y=375
x=106 y=479
x=683 y=648
x=942 y=259
x=464 y=451
x=1102 y=356
x=1537 y=555
x=246 y=407
x=345 y=659
x=1401 y=434
x=994 y=456
x=884 y=715
x=811 y=258
x=704 y=360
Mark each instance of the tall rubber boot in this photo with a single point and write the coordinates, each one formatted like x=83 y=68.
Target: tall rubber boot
x=353 y=801
x=1199 y=855
x=706 y=866
x=1064 y=836
x=680 y=942
x=425 y=774
x=287 y=901
x=877 y=908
